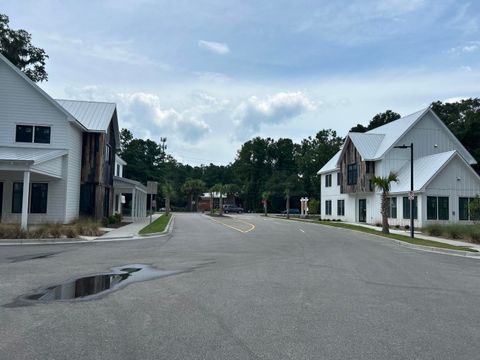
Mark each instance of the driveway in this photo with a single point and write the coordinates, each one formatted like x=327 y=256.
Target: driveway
x=281 y=290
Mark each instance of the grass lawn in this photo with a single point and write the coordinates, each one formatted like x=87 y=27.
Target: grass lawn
x=415 y=241
x=156 y=226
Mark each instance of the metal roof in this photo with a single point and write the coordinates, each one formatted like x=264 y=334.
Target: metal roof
x=331 y=165
x=424 y=169
x=394 y=130
x=95 y=116
x=366 y=144
x=33 y=156
x=121 y=182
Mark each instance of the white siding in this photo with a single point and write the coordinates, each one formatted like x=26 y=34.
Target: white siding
x=55 y=199
x=73 y=174
x=52 y=167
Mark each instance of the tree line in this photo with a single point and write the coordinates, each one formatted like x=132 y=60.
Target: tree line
x=274 y=169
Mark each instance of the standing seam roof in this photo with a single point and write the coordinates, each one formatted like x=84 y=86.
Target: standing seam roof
x=95 y=116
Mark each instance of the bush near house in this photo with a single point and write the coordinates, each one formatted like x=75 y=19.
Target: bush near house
x=455 y=231
x=84 y=226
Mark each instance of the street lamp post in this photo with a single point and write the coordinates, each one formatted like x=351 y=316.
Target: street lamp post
x=411 y=197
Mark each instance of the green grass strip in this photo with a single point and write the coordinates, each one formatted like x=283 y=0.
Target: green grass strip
x=156 y=226
x=407 y=239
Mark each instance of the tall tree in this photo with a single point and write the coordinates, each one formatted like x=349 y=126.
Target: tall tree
x=16 y=46
x=383 y=184
x=193 y=187
x=378 y=120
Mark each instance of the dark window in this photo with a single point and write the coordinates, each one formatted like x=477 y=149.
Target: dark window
x=42 y=134
x=24 y=133
x=443 y=212
x=406 y=208
x=339 y=178
x=38 y=199
x=107 y=154
x=17 y=198
x=118 y=170
x=328 y=207
x=352 y=174
x=463 y=209
x=431 y=208
x=341 y=207
x=328 y=180
x=392 y=207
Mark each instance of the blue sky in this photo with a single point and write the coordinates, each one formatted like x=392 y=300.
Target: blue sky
x=209 y=75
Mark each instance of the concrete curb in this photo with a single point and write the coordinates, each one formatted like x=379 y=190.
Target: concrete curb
x=22 y=242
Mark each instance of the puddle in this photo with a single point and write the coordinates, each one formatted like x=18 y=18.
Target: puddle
x=94 y=286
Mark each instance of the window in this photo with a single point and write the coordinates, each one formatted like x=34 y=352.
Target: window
x=339 y=178
x=107 y=154
x=392 y=207
x=38 y=198
x=463 y=208
x=341 y=207
x=328 y=180
x=437 y=208
x=25 y=133
x=42 y=134
x=352 y=174
x=431 y=208
x=118 y=170
x=17 y=198
x=443 y=208
x=406 y=208
x=328 y=207
x=370 y=167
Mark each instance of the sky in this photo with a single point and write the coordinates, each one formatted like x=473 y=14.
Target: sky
x=211 y=74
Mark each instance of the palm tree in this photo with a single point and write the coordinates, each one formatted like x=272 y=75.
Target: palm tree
x=168 y=192
x=383 y=184
x=265 y=196
x=193 y=187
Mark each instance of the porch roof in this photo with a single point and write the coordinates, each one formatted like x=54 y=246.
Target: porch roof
x=124 y=183
x=29 y=156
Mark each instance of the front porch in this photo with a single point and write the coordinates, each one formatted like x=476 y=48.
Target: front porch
x=32 y=188
x=130 y=198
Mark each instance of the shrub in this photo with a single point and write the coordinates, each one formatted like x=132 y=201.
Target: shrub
x=397 y=226
x=378 y=224
x=434 y=229
x=87 y=227
x=455 y=231
x=407 y=227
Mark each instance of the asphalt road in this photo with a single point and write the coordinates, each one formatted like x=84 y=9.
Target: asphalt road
x=254 y=288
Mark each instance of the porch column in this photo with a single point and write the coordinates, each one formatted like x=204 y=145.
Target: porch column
x=25 y=196
x=133 y=205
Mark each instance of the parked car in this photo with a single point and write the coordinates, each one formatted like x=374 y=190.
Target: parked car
x=231 y=208
x=292 y=211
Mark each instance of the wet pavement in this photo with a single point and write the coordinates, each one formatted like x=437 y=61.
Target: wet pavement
x=284 y=290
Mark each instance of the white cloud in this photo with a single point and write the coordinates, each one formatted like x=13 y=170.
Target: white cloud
x=215 y=47
x=466 y=68
x=455 y=99
x=273 y=110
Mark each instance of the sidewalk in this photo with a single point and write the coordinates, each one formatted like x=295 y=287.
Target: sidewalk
x=420 y=235
x=130 y=230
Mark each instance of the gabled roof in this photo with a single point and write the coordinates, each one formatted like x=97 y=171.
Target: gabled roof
x=394 y=130
x=425 y=169
x=30 y=156
x=367 y=144
x=95 y=116
x=41 y=92
x=331 y=165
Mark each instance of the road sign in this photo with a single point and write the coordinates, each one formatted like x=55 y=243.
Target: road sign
x=152 y=187
x=411 y=196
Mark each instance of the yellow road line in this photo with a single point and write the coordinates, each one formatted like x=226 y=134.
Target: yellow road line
x=233 y=227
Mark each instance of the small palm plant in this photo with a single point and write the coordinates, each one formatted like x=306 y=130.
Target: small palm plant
x=168 y=191
x=265 y=196
x=383 y=184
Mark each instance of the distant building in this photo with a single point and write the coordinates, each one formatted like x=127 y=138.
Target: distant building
x=444 y=181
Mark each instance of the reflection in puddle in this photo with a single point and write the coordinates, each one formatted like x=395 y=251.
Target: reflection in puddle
x=94 y=286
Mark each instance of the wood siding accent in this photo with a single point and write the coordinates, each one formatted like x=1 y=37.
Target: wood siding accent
x=350 y=156
x=97 y=174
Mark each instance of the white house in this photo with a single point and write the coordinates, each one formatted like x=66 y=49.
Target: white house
x=444 y=181
x=56 y=156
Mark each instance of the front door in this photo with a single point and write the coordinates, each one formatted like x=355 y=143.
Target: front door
x=362 y=210
x=1 y=200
